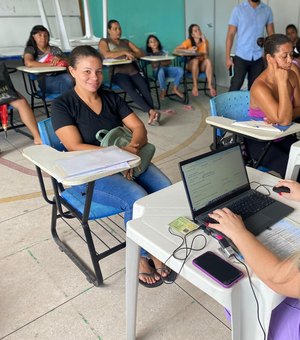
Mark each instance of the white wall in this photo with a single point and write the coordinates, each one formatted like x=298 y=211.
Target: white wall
x=17 y=17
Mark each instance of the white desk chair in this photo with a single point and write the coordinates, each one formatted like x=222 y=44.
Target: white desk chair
x=293 y=166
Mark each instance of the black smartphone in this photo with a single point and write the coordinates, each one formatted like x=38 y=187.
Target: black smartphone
x=218 y=269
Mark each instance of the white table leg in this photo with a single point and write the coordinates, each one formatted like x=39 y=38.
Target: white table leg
x=133 y=251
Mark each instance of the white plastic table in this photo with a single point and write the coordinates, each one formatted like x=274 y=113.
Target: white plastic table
x=149 y=230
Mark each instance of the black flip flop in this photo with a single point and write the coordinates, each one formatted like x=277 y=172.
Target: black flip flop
x=151 y=285
x=170 y=278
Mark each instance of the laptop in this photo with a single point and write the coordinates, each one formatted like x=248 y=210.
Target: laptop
x=219 y=179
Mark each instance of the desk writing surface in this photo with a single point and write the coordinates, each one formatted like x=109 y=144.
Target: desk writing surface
x=186 y=53
x=38 y=70
x=158 y=58
x=113 y=61
x=226 y=124
x=44 y=156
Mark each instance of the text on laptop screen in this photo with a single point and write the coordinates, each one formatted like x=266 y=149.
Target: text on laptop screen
x=213 y=177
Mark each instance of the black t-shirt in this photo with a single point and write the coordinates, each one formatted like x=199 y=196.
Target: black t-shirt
x=70 y=109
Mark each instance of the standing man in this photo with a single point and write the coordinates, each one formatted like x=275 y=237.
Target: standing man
x=248 y=20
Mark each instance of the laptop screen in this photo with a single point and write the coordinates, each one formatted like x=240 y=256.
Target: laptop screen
x=213 y=178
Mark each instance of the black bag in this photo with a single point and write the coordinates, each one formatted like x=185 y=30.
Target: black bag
x=7 y=90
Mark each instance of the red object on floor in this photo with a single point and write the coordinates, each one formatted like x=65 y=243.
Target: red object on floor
x=4 y=116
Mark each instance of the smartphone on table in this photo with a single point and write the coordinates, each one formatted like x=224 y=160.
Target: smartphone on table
x=218 y=269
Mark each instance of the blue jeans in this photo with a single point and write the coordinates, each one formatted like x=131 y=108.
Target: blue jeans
x=117 y=191
x=58 y=83
x=168 y=72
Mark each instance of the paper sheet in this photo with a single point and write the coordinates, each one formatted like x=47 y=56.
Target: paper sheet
x=93 y=161
x=283 y=238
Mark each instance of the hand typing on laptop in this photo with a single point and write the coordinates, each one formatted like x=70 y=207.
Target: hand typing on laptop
x=283 y=276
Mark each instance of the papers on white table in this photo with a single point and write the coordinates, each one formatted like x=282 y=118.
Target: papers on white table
x=283 y=238
x=106 y=159
x=261 y=125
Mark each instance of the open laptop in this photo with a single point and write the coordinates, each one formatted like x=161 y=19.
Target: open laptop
x=219 y=179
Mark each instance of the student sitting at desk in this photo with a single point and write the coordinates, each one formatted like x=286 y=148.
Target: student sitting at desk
x=275 y=96
x=79 y=114
x=128 y=76
x=36 y=54
x=163 y=68
x=197 y=42
x=283 y=276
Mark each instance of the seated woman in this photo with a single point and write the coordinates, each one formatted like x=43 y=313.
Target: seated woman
x=27 y=117
x=197 y=42
x=154 y=47
x=79 y=114
x=128 y=76
x=38 y=53
x=282 y=276
x=275 y=96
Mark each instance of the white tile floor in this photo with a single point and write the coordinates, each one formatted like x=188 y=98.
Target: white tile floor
x=44 y=296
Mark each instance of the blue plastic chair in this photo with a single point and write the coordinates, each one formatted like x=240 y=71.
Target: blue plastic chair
x=233 y=105
x=76 y=202
x=36 y=93
x=188 y=80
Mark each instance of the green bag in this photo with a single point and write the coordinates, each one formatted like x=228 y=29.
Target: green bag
x=121 y=137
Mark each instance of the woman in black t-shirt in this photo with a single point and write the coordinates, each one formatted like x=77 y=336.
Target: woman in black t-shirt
x=79 y=114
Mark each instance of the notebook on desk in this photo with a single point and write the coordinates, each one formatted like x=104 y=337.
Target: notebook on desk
x=219 y=179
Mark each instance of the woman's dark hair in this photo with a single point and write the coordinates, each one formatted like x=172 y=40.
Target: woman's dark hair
x=31 y=42
x=83 y=51
x=111 y=22
x=273 y=42
x=291 y=26
x=296 y=53
x=190 y=30
x=148 y=48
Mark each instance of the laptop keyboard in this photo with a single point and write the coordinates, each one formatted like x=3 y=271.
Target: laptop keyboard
x=247 y=206
x=251 y=204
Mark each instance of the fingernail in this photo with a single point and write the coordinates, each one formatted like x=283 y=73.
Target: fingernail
x=280 y=193
x=206 y=224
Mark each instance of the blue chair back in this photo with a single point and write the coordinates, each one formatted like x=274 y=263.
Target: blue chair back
x=48 y=135
x=233 y=105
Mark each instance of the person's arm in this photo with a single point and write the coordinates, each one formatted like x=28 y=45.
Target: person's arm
x=295 y=83
x=139 y=132
x=270 y=29
x=281 y=276
x=106 y=53
x=279 y=111
x=229 y=42
x=30 y=62
x=294 y=187
x=137 y=52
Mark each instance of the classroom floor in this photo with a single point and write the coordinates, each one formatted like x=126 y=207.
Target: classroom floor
x=44 y=296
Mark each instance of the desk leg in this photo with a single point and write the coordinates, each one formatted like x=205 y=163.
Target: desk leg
x=244 y=320
x=132 y=263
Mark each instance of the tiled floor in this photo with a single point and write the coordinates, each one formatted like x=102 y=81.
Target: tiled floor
x=44 y=296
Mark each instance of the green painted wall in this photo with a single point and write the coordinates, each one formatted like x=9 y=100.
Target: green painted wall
x=139 y=18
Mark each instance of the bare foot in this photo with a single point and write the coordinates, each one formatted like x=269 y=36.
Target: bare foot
x=146 y=273
x=195 y=92
x=160 y=267
x=177 y=92
x=212 y=92
x=37 y=141
x=163 y=94
x=153 y=117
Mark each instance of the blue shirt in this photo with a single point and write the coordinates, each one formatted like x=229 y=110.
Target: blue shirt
x=250 y=23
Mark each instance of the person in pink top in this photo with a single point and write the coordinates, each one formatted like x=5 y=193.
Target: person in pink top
x=197 y=41
x=275 y=96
